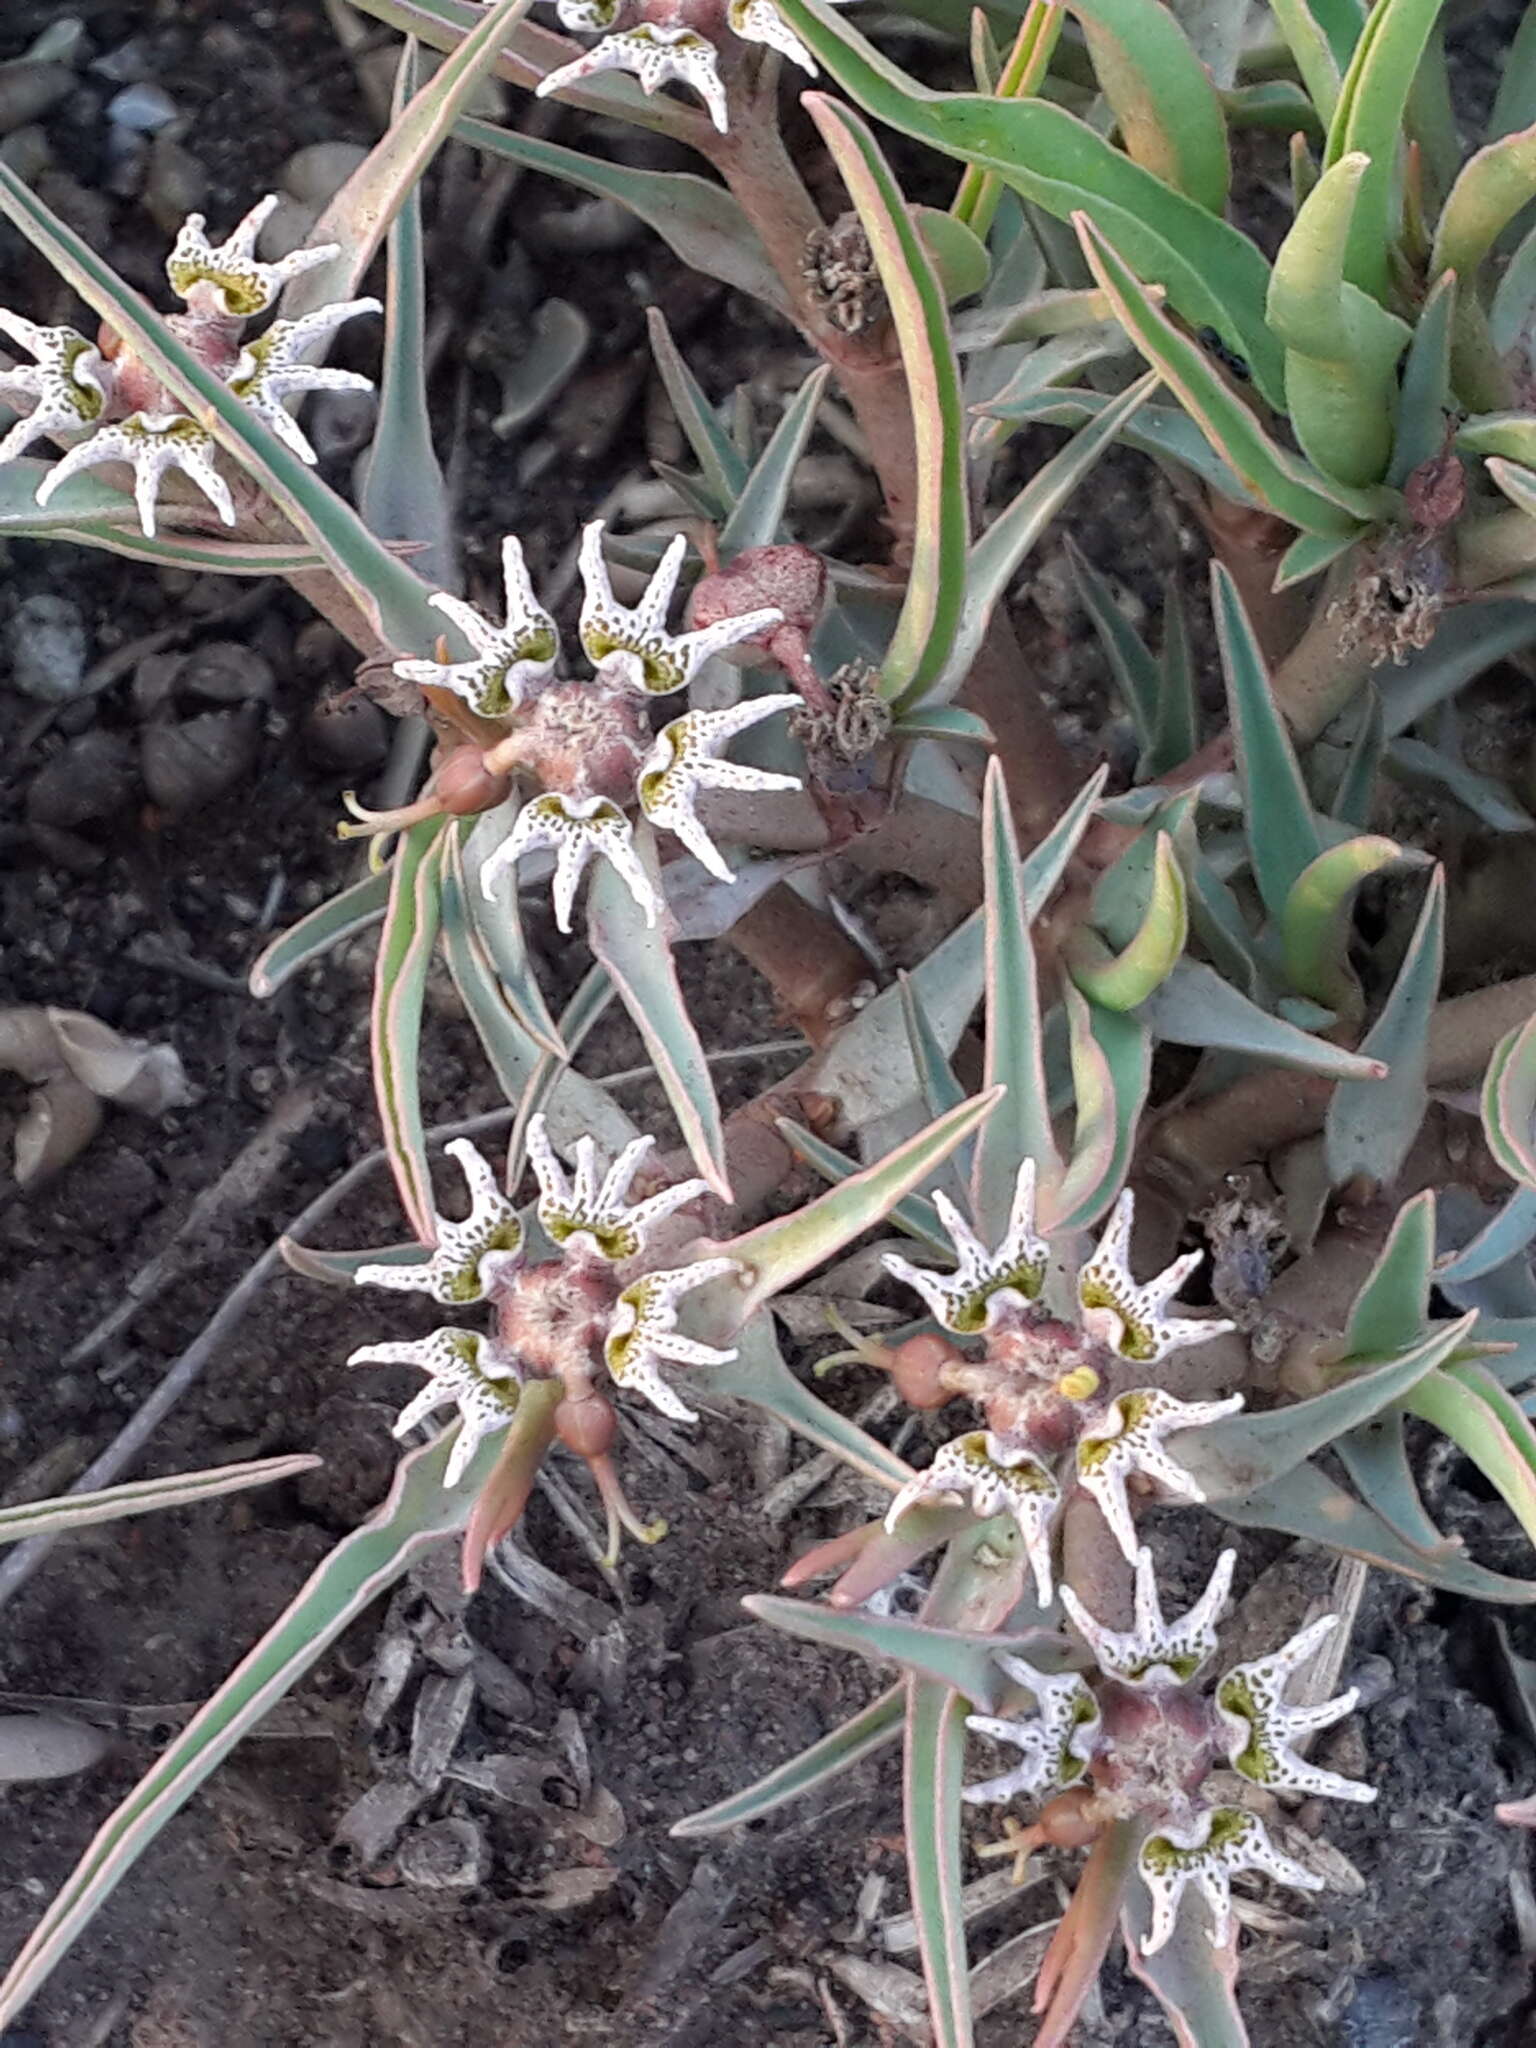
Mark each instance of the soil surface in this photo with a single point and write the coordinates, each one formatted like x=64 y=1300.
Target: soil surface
x=527 y=1890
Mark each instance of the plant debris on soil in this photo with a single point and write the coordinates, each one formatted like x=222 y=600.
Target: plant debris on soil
x=456 y=1830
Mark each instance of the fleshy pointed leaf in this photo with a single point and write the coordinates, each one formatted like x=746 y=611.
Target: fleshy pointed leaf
x=640 y=962
x=420 y=1510
x=783 y=1250
x=399 y=987
x=995 y=559
x=1481 y=1419
x=1392 y=1308
x=1125 y=980
x=758 y=1374
x=1168 y=110
x=389 y=177
x=340 y=918
x=1245 y=1454
x=915 y=1215
x=1194 y=1006
x=1369 y=1130
x=496 y=920
x=864 y=1735
x=1111 y=1072
x=1509 y=1104
x=1310 y=500
x=1194 y=1982
x=724 y=471
x=925 y=629
x=1020 y=1127
x=1426 y=386
x=503 y=1031
x=1282 y=834
x=1369 y=121
x=145 y=1496
x=1499 y=1241
x=1214 y=275
x=758 y=513
x=1318 y=916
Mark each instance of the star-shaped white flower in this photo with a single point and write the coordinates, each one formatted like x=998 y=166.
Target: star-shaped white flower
x=653 y=55
x=1128 y=1437
x=1156 y=1653
x=632 y=647
x=1208 y=1854
x=1057 y=1742
x=67 y=386
x=577 y=828
x=644 y=1332
x=997 y=1478
x=511 y=660
x=229 y=280
x=586 y=1220
x=1261 y=1728
x=984 y=1282
x=273 y=367
x=150 y=443
x=469 y=1256
x=1129 y=1317
x=465 y=1373
x=685 y=759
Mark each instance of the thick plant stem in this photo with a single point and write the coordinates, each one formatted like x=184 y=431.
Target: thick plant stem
x=1001 y=689
x=813 y=966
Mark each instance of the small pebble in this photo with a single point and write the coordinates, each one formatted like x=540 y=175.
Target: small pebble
x=189 y=764
x=341 y=423
x=29 y=90
x=316 y=174
x=144 y=107
x=347 y=732
x=45 y=646
x=92 y=777
x=27 y=152
x=287 y=228
x=177 y=184
x=128 y=63
x=224 y=672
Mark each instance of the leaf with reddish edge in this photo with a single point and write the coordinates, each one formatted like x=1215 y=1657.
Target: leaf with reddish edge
x=1509 y=1103
x=639 y=961
x=341 y=917
x=399 y=986
x=1078 y=1947
x=503 y=1497
x=864 y=1735
x=758 y=1374
x=956 y=1658
x=930 y=611
x=871 y=1557
x=1194 y=1983
x=145 y=1496
x=778 y=1253
x=358 y=218
x=976 y=1588
x=420 y=1510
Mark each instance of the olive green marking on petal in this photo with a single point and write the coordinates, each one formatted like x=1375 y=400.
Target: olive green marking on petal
x=1137 y=1340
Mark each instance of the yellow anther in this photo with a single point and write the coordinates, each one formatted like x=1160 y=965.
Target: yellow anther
x=1081 y=1384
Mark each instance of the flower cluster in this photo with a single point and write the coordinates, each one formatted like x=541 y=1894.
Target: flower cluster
x=1147 y=1738
x=1055 y=1419
x=589 y=743
x=103 y=406
x=660 y=40
x=597 y=1303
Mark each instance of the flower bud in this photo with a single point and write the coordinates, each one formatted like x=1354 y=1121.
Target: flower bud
x=917 y=1370
x=791 y=579
x=586 y=1424
x=464 y=785
x=1068 y=1821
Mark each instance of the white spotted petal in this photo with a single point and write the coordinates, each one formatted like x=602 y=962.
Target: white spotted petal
x=274 y=367
x=469 y=1256
x=1262 y=1729
x=653 y=55
x=1208 y=1853
x=587 y=17
x=463 y=1372
x=1057 y=1742
x=996 y=1478
x=630 y=646
x=578 y=829
x=511 y=660
x=759 y=21
x=1127 y=1437
x=66 y=388
x=598 y=1221
x=684 y=760
x=150 y=443
x=228 y=279
x=1129 y=1317
x=644 y=1334
x=1155 y=1652
x=983 y=1282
